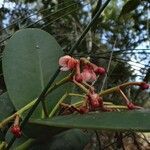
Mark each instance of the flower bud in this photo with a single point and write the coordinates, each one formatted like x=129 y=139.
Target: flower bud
x=16 y=131
x=131 y=106
x=100 y=70
x=144 y=86
x=95 y=100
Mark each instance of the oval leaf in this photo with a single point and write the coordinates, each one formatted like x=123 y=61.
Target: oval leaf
x=29 y=61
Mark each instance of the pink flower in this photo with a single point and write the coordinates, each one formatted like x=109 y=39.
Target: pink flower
x=67 y=63
x=88 y=74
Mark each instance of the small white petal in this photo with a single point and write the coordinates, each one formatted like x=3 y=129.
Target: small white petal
x=64 y=68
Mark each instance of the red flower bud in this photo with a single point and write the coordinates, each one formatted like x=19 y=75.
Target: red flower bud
x=94 y=100
x=16 y=131
x=131 y=106
x=144 y=86
x=100 y=70
x=95 y=103
x=18 y=135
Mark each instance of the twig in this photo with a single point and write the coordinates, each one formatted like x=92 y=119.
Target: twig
x=106 y=147
x=119 y=140
x=108 y=67
x=98 y=139
x=135 y=141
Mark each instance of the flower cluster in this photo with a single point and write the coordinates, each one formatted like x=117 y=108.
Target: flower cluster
x=84 y=69
x=86 y=73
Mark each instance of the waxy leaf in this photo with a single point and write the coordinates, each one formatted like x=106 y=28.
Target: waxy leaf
x=73 y=139
x=29 y=61
x=34 y=130
x=6 y=106
x=130 y=120
x=6 y=109
x=18 y=142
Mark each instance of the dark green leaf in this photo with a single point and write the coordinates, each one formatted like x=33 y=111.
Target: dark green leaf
x=29 y=61
x=18 y=142
x=74 y=139
x=6 y=106
x=34 y=130
x=55 y=95
x=26 y=145
x=6 y=109
x=129 y=6
x=26 y=64
x=131 y=120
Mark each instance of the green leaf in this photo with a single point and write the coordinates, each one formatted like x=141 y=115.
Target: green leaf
x=131 y=120
x=26 y=64
x=53 y=98
x=6 y=106
x=18 y=142
x=34 y=130
x=26 y=145
x=29 y=61
x=129 y=6
x=74 y=139
x=3 y=145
